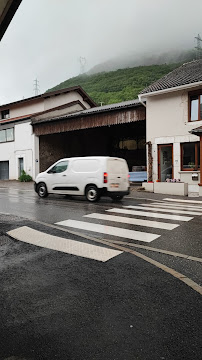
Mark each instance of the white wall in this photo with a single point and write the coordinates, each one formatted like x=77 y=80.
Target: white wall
x=22 y=147
x=167 y=115
x=26 y=108
x=61 y=99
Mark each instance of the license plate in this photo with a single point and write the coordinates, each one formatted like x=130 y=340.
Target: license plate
x=114 y=185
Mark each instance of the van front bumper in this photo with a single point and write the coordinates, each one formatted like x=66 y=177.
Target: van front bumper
x=35 y=187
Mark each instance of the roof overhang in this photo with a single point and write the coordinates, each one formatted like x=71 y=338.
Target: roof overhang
x=7 y=11
x=47 y=95
x=197 y=131
x=165 y=91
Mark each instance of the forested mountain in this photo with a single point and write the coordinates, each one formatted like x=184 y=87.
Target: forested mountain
x=120 y=85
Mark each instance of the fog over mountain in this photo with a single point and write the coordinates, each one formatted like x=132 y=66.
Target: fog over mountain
x=141 y=59
x=47 y=39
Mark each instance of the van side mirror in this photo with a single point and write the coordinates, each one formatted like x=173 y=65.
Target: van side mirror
x=52 y=172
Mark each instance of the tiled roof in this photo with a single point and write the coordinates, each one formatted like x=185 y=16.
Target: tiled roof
x=188 y=73
x=98 y=109
x=123 y=104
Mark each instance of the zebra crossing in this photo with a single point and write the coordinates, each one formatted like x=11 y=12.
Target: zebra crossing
x=114 y=222
x=142 y=222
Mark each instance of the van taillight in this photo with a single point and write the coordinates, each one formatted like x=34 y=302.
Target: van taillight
x=105 y=177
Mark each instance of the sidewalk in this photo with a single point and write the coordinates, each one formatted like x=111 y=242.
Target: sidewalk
x=15 y=184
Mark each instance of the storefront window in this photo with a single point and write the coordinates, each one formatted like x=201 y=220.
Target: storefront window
x=190 y=156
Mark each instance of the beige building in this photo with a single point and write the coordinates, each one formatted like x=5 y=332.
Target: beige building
x=173 y=110
x=19 y=146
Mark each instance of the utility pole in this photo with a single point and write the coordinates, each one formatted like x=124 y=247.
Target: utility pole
x=82 y=61
x=198 y=47
x=36 y=87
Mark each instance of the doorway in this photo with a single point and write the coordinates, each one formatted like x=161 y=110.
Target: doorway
x=165 y=162
x=4 y=170
x=20 y=166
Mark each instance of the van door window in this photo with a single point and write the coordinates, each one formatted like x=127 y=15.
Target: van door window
x=59 y=167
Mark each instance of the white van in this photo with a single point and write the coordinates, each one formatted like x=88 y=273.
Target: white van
x=92 y=176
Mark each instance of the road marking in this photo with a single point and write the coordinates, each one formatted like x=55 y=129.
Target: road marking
x=166 y=252
x=174 y=206
x=163 y=210
x=172 y=272
x=165 y=268
x=151 y=214
x=185 y=201
x=132 y=221
x=110 y=230
x=38 y=238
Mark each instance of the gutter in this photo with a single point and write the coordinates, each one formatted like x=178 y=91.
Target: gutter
x=176 y=88
x=140 y=100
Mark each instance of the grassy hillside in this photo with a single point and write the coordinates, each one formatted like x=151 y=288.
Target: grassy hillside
x=120 y=85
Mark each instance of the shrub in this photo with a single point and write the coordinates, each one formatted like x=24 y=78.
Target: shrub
x=25 y=177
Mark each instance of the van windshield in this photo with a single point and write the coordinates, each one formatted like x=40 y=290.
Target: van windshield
x=59 y=167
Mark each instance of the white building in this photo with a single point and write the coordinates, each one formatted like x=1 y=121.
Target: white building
x=19 y=147
x=173 y=110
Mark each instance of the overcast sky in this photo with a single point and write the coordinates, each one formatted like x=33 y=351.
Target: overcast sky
x=46 y=38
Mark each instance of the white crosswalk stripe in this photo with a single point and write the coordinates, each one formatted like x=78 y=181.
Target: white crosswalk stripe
x=164 y=210
x=155 y=210
x=110 y=230
x=184 y=201
x=132 y=221
x=174 y=206
x=151 y=214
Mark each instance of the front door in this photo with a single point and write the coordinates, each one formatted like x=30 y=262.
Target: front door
x=4 y=170
x=20 y=166
x=165 y=162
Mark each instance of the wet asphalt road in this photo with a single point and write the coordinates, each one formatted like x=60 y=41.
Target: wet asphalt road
x=59 y=306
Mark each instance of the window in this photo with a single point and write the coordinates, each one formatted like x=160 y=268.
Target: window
x=10 y=134
x=128 y=144
x=195 y=107
x=5 y=114
x=59 y=167
x=190 y=155
x=7 y=135
x=132 y=144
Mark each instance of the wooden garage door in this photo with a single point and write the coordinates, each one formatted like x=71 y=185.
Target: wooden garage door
x=4 y=170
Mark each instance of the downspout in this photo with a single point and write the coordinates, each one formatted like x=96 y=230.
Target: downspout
x=140 y=100
x=198 y=132
x=200 y=184
x=149 y=150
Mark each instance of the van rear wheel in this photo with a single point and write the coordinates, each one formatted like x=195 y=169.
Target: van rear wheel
x=92 y=193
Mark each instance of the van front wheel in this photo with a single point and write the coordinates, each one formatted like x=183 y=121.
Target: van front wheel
x=92 y=193
x=42 y=190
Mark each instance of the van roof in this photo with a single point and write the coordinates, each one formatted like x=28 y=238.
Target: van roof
x=91 y=157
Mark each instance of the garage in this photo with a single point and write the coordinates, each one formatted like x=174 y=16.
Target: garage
x=112 y=130
x=4 y=170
